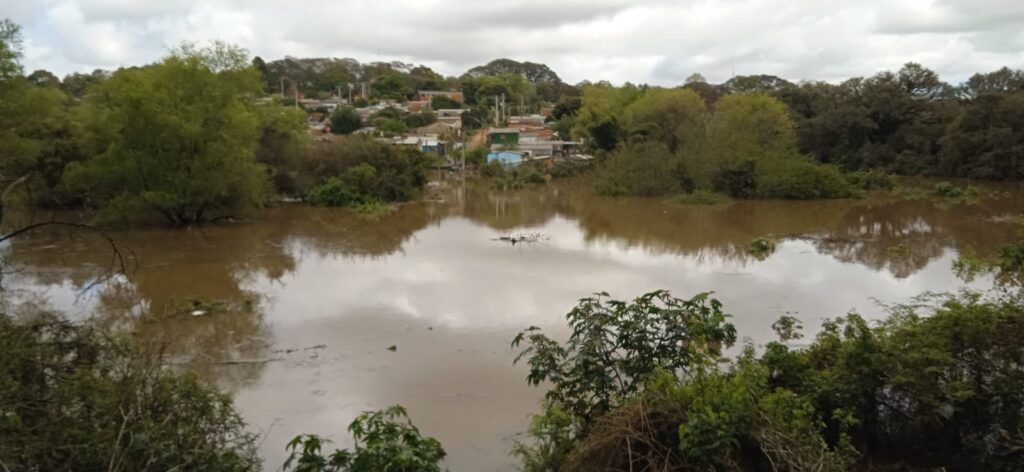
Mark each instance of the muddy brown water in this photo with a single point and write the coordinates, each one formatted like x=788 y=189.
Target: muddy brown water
x=315 y=297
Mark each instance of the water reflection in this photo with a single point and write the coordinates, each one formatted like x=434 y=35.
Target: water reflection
x=328 y=291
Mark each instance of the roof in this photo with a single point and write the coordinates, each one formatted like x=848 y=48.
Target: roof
x=502 y=130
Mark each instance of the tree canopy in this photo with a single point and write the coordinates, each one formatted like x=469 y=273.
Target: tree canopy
x=177 y=138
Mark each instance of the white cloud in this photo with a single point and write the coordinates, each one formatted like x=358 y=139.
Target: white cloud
x=642 y=41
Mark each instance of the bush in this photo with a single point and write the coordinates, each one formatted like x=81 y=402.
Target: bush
x=345 y=120
x=870 y=180
x=564 y=168
x=926 y=389
x=947 y=190
x=736 y=179
x=616 y=346
x=357 y=186
x=385 y=440
x=72 y=398
x=646 y=169
x=800 y=179
x=399 y=174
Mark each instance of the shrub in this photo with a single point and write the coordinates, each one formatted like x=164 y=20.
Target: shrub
x=799 y=179
x=646 y=169
x=385 y=440
x=761 y=247
x=870 y=180
x=399 y=174
x=947 y=190
x=616 y=346
x=345 y=120
x=73 y=398
x=357 y=186
x=564 y=168
x=736 y=179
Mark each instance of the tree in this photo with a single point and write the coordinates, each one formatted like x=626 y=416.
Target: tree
x=36 y=132
x=987 y=140
x=695 y=78
x=10 y=49
x=177 y=138
x=443 y=102
x=750 y=127
x=44 y=78
x=674 y=117
x=345 y=120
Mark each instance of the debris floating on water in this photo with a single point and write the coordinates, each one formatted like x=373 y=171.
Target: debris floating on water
x=524 y=238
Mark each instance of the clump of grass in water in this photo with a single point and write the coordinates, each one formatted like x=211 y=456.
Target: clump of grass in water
x=761 y=247
x=374 y=209
x=701 y=197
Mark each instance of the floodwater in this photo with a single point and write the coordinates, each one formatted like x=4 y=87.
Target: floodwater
x=317 y=296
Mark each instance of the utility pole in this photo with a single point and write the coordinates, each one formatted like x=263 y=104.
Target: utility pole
x=497 y=112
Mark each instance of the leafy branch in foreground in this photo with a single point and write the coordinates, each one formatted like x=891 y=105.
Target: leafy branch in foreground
x=616 y=346
x=384 y=440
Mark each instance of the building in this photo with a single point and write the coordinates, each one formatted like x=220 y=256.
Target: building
x=428 y=95
x=503 y=136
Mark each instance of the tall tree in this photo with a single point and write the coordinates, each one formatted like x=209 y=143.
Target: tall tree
x=177 y=138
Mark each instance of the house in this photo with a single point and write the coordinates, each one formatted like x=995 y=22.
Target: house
x=528 y=120
x=503 y=136
x=439 y=128
x=428 y=95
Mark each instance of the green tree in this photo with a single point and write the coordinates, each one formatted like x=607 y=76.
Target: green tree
x=443 y=102
x=674 y=117
x=750 y=127
x=36 y=133
x=345 y=120
x=177 y=138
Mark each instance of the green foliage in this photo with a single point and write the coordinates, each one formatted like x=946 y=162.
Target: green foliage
x=385 y=440
x=798 y=178
x=947 y=190
x=10 y=49
x=646 y=169
x=673 y=117
x=443 y=102
x=177 y=138
x=416 y=120
x=616 y=346
x=284 y=141
x=761 y=247
x=386 y=173
x=393 y=126
x=554 y=434
x=931 y=386
x=72 y=398
x=345 y=120
x=750 y=127
x=564 y=168
x=356 y=186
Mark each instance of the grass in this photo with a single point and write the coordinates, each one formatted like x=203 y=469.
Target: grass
x=374 y=209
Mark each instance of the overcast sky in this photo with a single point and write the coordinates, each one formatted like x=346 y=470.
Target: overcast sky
x=642 y=41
